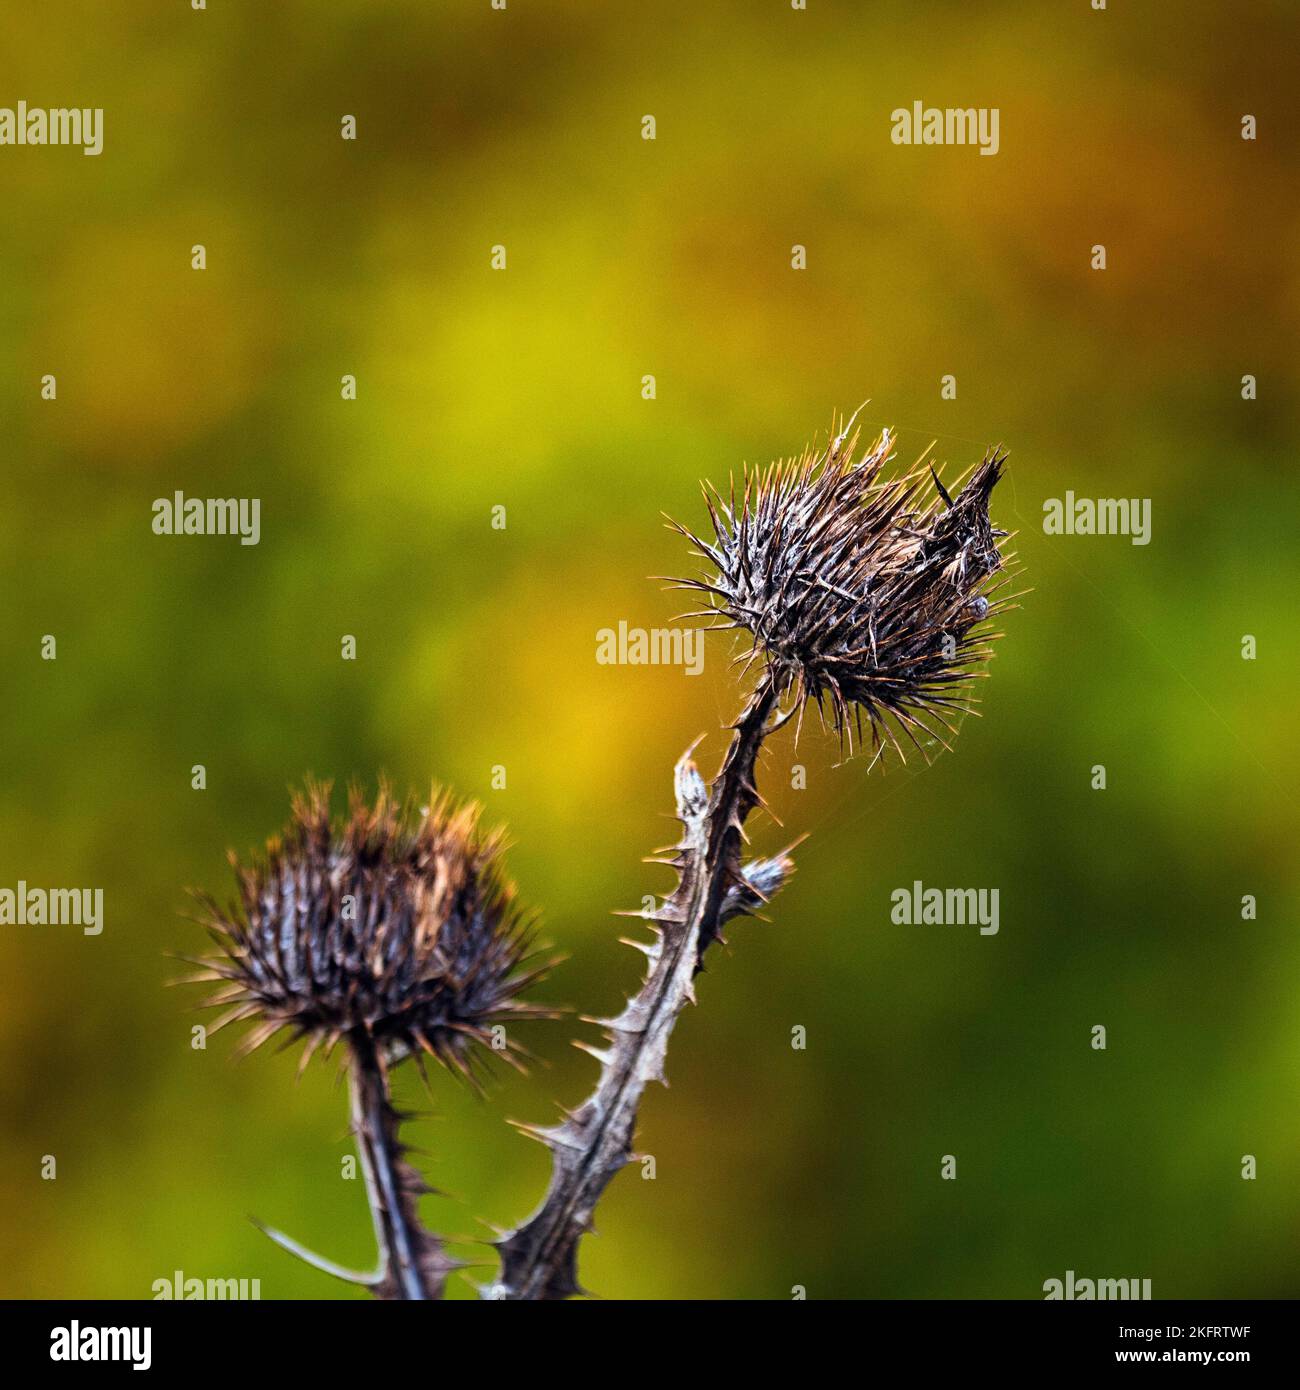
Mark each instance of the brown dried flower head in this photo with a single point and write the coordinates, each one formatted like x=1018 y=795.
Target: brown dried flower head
x=396 y=927
x=866 y=595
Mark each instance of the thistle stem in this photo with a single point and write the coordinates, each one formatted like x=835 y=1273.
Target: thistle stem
x=402 y=1242
x=734 y=796
x=539 y=1260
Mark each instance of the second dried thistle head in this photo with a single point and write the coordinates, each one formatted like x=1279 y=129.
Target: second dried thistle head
x=396 y=927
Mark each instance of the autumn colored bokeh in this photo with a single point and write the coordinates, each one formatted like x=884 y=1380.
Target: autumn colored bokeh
x=523 y=389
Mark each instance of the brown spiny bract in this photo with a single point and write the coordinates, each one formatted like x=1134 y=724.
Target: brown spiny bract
x=397 y=925
x=865 y=595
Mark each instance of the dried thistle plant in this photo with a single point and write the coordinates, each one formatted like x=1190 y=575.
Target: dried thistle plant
x=860 y=596
x=863 y=595
x=397 y=934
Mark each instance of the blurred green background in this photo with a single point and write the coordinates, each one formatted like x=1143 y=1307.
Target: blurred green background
x=476 y=647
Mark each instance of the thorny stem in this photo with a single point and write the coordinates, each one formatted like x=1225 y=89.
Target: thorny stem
x=539 y=1259
x=735 y=795
x=413 y=1264
x=398 y=1234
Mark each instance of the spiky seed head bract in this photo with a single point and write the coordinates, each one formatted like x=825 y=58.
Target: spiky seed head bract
x=866 y=595
x=397 y=925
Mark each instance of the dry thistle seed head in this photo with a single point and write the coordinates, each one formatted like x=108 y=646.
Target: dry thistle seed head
x=397 y=925
x=864 y=594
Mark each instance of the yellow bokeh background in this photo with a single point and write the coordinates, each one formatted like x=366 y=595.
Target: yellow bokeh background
x=522 y=388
